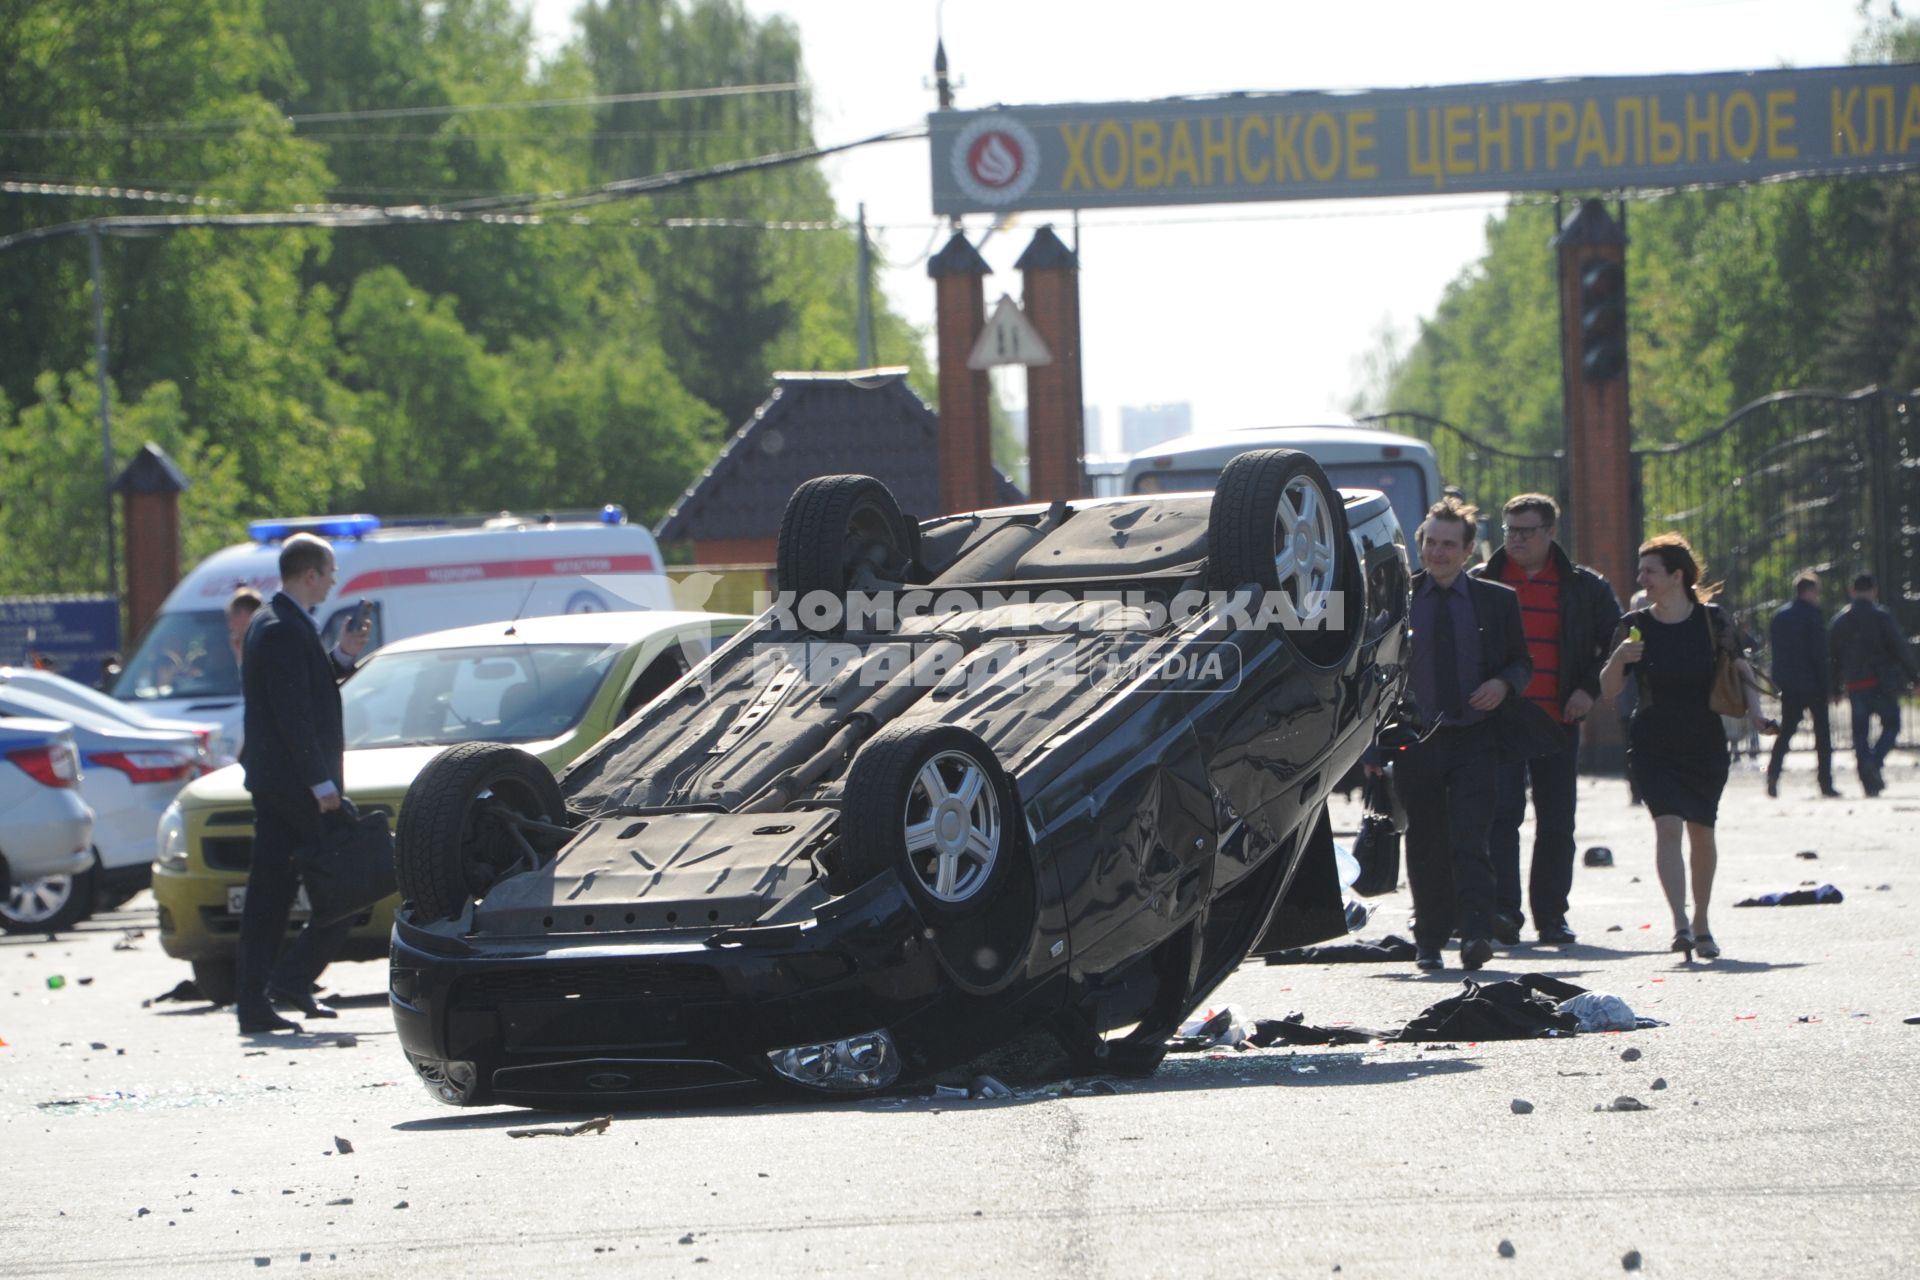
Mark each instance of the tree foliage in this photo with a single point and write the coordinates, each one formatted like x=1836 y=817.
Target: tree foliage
x=598 y=355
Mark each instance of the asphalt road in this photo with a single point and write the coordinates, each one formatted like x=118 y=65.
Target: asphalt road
x=153 y=1140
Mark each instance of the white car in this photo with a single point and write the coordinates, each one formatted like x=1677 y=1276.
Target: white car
x=128 y=777
x=51 y=684
x=46 y=829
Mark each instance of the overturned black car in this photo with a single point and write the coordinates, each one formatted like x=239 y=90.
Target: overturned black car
x=1051 y=768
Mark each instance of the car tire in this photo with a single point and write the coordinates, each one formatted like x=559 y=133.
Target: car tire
x=930 y=803
x=1277 y=521
x=218 y=978
x=840 y=534
x=52 y=904
x=448 y=851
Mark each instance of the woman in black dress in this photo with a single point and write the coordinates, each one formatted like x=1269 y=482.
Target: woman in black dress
x=1676 y=745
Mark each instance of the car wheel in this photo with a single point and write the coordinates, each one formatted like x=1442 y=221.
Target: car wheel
x=456 y=837
x=218 y=978
x=50 y=904
x=840 y=534
x=1277 y=521
x=931 y=803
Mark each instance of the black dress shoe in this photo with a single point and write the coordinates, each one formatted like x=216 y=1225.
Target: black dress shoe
x=1475 y=952
x=260 y=1022
x=1556 y=935
x=1830 y=793
x=1773 y=787
x=1506 y=928
x=306 y=1004
x=1428 y=958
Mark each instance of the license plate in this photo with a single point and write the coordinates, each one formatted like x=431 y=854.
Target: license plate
x=237 y=901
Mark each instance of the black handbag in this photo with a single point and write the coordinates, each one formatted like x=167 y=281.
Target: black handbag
x=352 y=866
x=1522 y=731
x=1377 y=847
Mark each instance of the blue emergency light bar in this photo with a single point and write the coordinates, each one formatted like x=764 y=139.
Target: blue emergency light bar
x=613 y=513
x=322 y=526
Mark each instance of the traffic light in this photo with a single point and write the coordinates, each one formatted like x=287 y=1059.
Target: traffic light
x=1603 y=319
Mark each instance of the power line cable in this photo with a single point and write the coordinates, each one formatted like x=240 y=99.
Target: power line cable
x=402 y=113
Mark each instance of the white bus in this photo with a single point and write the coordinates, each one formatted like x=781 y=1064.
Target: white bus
x=1353 y=457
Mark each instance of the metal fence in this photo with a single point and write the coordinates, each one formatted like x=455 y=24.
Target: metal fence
x=1484 y=474
x=1799 y=480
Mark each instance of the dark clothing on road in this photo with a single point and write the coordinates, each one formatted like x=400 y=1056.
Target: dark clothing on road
x=1447 y=778
x=1578 y=641
x=1676 y=745
x=294 y=743
x=1797 y=637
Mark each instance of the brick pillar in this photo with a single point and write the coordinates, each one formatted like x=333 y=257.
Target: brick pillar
x=1599 y=438
x=1054 y=417
x=150 y=487
x=966 y=438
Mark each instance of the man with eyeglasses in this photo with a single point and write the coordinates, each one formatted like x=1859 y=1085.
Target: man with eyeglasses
x=1570 y=613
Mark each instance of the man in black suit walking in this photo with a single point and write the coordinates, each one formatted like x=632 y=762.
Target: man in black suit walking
x=293 y=756
x=1469 y=656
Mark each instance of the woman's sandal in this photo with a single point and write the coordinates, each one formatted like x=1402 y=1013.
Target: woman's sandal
x=1683 y=941
x=1707 y=947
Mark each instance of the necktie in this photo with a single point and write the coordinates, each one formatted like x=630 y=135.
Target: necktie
x=1446 y=663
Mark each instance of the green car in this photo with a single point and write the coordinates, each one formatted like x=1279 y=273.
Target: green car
x=554 y=686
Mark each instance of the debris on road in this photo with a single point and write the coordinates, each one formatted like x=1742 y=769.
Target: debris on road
x=1521 y=1107
x=1629 y=1055
x=1659 y=1082
x=1630 y=1261
x=988 y=1088
x=1506 y=1249
x=1598 y=856
x=1599 y=1011
x=1808 y=854
x=344 y=1147
x=1825 y=895
x=345 y=1041
x=596 y=1125
x=1623 y=1103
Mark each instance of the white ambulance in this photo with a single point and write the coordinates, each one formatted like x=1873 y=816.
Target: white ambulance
x=415 y=576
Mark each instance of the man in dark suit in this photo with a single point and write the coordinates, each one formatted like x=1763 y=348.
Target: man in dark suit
x=1798 y=638
x=293 y=757
x=1469 y=656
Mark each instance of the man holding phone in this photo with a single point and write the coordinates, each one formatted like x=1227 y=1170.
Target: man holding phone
x=294 y=759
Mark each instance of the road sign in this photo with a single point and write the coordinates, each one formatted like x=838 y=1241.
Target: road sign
x=1009 y=338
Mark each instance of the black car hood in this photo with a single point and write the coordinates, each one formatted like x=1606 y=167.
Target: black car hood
x=674 y=871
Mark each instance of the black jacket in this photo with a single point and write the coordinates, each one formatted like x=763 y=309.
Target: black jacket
x=1503 y=637
x=1866 y=645
x=1798 y=638
x=294 y=736
x=1589 y=611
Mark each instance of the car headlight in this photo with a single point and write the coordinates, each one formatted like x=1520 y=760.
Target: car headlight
x=172 y=845
x=859 y=1062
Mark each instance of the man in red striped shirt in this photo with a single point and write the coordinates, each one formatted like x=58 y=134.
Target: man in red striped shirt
x=1569 y=613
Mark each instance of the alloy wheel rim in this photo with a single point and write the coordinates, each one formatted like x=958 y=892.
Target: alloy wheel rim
x=1304 y=549
x=37 y=901
x=952 y=826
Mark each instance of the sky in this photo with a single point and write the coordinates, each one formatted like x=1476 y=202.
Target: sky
x=1253 y=314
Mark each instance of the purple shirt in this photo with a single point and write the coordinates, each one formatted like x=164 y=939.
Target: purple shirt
x=1428 y=600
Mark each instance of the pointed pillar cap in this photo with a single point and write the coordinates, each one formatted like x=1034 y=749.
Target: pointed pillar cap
x=959 y=258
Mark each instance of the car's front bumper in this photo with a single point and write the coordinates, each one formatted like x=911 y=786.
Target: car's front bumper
x=633 y=1017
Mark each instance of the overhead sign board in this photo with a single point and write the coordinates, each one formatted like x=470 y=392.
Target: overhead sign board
x=1008 y=338
x=1605 y=133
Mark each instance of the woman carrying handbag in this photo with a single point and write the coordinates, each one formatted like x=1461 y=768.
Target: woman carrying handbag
x=1680 y=652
